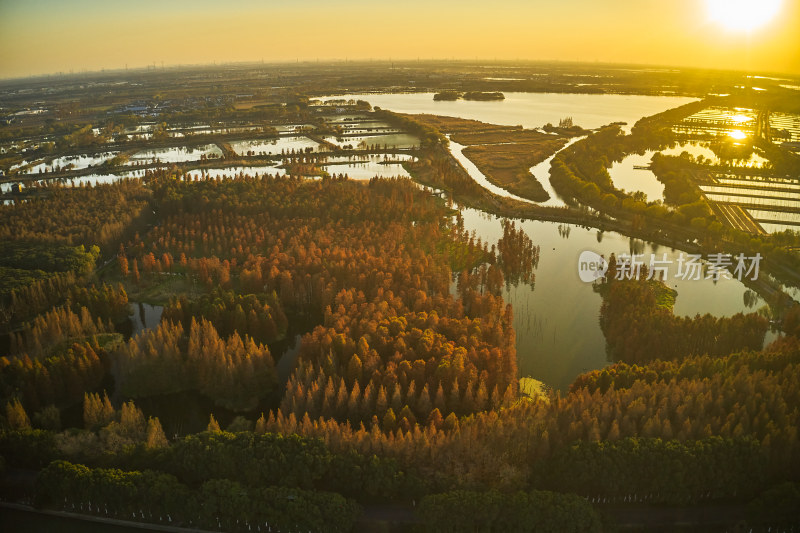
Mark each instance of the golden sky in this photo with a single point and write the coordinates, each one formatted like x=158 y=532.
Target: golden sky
x=48 y=36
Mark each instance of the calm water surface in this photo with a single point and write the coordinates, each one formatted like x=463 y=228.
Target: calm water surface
x=531 y=110
x=557 y=320
x=275 y=146
x=627 y=177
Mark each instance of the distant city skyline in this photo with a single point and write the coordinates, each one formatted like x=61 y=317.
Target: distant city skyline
x=45 y=37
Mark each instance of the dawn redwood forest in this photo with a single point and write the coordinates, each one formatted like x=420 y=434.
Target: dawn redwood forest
x=405 y=386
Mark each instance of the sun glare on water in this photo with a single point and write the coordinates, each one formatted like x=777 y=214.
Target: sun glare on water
x=742 y=15
x=741 y=118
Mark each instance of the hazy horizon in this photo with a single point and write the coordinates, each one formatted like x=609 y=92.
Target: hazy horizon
x=397 y=62
x=43 y=37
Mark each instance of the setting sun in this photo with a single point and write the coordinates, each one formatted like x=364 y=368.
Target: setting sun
x=743 y=14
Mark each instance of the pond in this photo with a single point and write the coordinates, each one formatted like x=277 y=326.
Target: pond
x=734 y=122
x=776 y=216
x=277 y=146
x=791 y=203
x=787 y=185
x=346 y=118
x=367 y=126
x=770 y=227
x=357 y=169
x=392 y=140
x=89 y=179
x=749 y=191
x=75 y=162
x=207 y=130
x=785 y=127
x=291 y=128
x=176 y=154
x=631 y=175
x=99 y=179
x=213 y=173
x=145 y=316
x=358 y=158
x=367 y=170
x=696 y=149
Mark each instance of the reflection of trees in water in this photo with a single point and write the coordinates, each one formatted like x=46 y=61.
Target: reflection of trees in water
x=534 y=325
x=750 y=298
x=727 y=150
x=527 y=322
x=517 y=255
x=636 y=246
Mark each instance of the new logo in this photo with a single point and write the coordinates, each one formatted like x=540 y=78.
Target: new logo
x=591 y=266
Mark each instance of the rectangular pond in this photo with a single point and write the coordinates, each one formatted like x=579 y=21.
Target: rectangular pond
x=176 y=154
x=281 y=145
x=74 y=162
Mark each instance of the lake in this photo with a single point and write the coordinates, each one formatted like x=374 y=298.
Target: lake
x=530 y=110
x=557 y=321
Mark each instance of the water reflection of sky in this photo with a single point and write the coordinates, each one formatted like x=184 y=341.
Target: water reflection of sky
x=558 y=332
x=177 y=154
x=274 y=146
x=531 y=110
